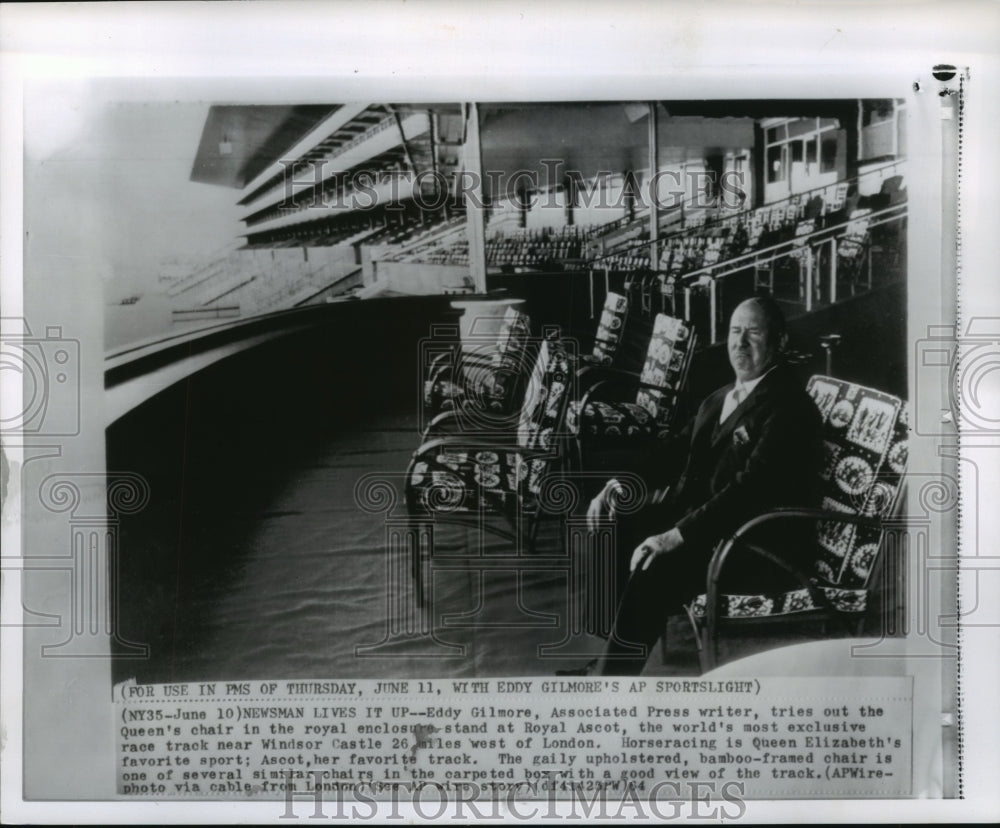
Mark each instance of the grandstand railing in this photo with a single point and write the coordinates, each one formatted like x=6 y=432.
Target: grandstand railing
x=807 y=247
x=726 y=216
x=806 y=250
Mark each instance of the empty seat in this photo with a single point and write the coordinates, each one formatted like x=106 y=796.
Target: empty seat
x=605 y=413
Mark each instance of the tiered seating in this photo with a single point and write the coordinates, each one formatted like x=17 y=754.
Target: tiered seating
x=633 y=260
x=509 y=249
x=536 y=248
x=432 y=243
x=704 y=242
x=259 y=283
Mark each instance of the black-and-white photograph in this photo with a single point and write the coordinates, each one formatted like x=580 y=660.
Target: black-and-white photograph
x=493 y=433
x=484 y=390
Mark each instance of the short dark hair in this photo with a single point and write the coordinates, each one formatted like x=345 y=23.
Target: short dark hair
x=773 y=315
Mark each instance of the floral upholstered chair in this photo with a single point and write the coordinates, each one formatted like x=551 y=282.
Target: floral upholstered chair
x=602 y=416
x=488 y=383
x=485 y=392
x=852 y=249
x=458 y=478
x=609 y=329
x=865 y=447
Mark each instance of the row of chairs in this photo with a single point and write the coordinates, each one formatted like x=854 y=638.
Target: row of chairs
x=529 y=395
x=703 y=243
x=497 y=446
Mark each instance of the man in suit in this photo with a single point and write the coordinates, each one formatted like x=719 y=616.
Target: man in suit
x=753 y=446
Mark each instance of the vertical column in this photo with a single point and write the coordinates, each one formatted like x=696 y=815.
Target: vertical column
x=808 y=262
x=654 y=202
x=475 y=207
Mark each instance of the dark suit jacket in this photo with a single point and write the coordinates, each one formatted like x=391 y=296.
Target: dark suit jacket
x=766 y=454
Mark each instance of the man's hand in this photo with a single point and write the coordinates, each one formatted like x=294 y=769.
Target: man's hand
x=602 y=507
x=653 y=547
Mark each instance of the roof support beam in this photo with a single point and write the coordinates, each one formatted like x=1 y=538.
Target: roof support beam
x=475 y=209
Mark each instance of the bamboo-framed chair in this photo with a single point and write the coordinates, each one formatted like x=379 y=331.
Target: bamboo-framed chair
x=865 y=439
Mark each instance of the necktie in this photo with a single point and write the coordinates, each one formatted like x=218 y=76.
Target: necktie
x=732 y=401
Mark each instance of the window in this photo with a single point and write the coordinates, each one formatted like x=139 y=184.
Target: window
x=828 y=154
x=807 y=152
x=775 y=169
x=881 y=129
x=876 y=111
x=811 y=150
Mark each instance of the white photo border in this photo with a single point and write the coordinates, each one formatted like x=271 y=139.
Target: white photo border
x=617 y=51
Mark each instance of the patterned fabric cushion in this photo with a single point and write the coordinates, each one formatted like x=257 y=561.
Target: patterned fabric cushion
x=865 y=440
x=511 y=340
x=862 y=428
x=457 y=480
x=667 y=356
x=488 y=381
x=499 y=383
x=610 y=328
x=853 y=241
x=544 y=405
x=609 y=419
x=783 y=603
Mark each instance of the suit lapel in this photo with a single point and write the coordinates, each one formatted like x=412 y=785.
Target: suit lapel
x=725 y=429
x=708 y=416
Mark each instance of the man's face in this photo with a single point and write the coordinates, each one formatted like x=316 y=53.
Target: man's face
x=752 y=347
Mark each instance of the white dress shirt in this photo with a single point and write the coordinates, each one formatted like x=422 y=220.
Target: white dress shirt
x=740 y=391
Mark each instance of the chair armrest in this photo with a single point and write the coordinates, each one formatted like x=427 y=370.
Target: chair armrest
x=616 y=378
x=457 y=359
x=599 y=372
x=784 y=513
x=725 y=547
x=440 y=424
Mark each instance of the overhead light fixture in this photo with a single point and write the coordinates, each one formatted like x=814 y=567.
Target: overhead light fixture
x=225 y=146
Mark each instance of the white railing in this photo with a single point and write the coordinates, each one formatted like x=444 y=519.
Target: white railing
x=807 y=249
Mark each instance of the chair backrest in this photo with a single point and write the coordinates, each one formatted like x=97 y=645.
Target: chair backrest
x=546 y=396
x=610 y=328
x=837 y=193
x=668 y=358
x=891 y=185
x=508 y=358
x=855 y=234
x=805 y=227
x=865 y=450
